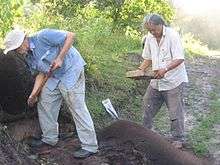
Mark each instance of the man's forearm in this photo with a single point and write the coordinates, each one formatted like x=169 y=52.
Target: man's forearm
x=67 y=45
x=40 y=80
x=174 y=64
x=145 y=64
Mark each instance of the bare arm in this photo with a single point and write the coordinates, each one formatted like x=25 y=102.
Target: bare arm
x=40 y=81
x=174 y=64
x=67 y=45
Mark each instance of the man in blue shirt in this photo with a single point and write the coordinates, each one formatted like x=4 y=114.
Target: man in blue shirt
x=59 y=70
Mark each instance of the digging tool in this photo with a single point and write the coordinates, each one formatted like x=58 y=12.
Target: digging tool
x=109 y=108
x=138 y=74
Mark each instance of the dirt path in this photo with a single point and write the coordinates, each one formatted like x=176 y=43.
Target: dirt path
x=201 y=72
x=204 y=73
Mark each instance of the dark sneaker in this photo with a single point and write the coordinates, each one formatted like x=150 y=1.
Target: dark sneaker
x=38 y=143
x=81 y=153
x=67 y=135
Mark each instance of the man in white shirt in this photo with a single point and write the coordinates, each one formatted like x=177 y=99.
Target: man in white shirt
x=164 y=52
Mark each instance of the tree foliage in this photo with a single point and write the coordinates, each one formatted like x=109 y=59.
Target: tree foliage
x=10 y=10
x=67 y=8
x=129 y=12
x=122 y=13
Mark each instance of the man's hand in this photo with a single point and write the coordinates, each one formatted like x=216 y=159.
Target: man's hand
x=57 y=63
x=160 y=73
x=32 y=100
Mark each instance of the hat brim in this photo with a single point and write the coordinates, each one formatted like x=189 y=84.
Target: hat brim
x=15 y=46
x=9 y=49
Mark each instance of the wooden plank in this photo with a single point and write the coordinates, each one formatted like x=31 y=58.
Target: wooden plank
x=138 y=74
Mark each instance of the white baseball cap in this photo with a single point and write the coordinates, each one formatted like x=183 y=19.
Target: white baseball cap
x=13 y=40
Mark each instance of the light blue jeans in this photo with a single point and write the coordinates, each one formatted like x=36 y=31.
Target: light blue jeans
x=48 y=110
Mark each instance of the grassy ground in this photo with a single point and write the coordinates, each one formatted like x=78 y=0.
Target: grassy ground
x=107 y=80
x=126 y=96
x=108 y=63
x=200 y=137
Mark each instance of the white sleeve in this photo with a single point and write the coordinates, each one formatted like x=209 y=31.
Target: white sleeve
x=146 y=54
x=176 y=49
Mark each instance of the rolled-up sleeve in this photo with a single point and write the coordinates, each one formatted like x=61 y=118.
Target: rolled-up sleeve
x=177 y=50
x=53 y=37
x=146 y=54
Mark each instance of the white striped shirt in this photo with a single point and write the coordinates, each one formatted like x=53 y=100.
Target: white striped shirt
x=170 y=48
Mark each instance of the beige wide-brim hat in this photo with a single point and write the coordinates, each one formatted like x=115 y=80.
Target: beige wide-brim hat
x=13 y=40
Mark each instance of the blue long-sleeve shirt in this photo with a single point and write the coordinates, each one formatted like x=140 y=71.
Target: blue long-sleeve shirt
x=45 y=47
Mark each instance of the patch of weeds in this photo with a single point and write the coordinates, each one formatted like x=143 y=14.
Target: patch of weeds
x=200 y=136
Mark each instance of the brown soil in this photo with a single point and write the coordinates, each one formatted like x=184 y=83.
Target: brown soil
x=15 y=86
x=122 y=143
x=11 y=152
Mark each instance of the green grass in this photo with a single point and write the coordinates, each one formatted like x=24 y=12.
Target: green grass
x=200 y=136
x=107 y=65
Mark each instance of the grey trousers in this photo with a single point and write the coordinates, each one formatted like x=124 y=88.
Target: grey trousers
x=152 y=102
x=48 y=110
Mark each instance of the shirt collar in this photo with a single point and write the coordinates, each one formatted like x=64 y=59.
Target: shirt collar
x=164 y=31
x=32 y=46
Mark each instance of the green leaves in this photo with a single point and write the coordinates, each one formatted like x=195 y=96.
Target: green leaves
x=9 y=11
x=122 y=13
x=66 y=8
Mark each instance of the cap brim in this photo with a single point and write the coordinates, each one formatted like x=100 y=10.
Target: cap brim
x=13 y=48
x=9 y=49
x=6 y=51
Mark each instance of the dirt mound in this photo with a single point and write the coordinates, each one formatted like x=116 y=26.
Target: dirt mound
x=122 y=143
x=16 y=83
x=143 y=146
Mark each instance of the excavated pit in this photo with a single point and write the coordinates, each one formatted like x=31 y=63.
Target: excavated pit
x=129 y=143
